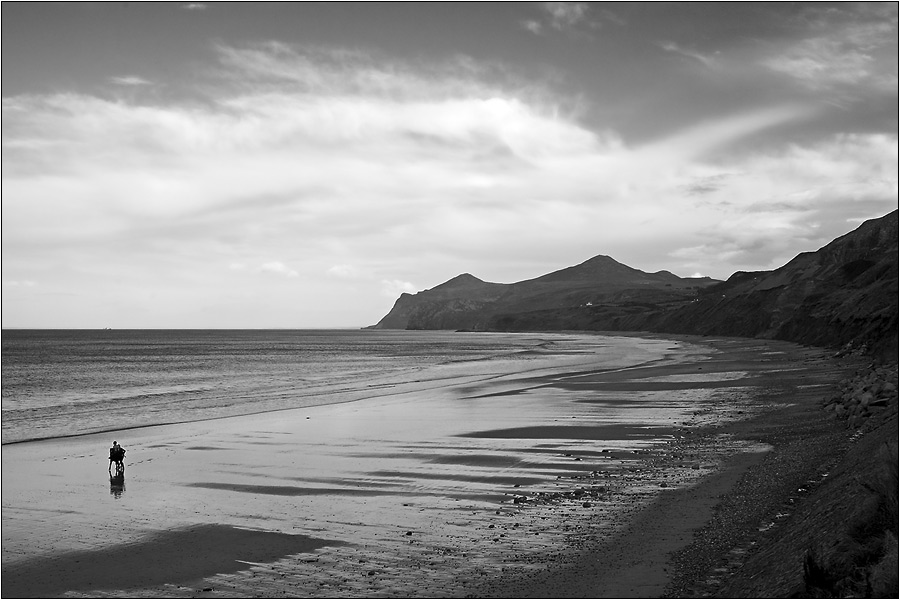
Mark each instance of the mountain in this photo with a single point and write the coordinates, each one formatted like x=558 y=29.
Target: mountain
x=454 y=304
x=466 y=302
x=843 y=295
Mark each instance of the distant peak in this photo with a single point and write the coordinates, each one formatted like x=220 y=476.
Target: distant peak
x=465 y=279
x=601 y=258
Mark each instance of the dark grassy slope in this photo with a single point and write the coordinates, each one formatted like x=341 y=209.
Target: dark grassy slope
x=843 y=294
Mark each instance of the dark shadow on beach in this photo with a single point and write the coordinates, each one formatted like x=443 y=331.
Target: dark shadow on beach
x=173 y=556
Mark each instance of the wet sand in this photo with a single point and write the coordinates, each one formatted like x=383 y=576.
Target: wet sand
x=567 y=484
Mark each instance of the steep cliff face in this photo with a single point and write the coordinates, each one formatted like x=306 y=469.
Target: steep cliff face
x=459 y=303
x=466 y=302
x=844 y=293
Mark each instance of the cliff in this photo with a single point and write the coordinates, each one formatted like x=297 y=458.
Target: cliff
x=844 y=294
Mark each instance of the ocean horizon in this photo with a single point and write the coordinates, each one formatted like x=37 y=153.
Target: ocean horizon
x=64 y=382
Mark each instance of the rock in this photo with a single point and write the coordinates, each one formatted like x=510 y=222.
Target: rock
x=586 y=505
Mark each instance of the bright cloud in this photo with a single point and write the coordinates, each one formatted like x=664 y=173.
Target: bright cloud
x=278 y=268
x=129 y=80
x=393 y=177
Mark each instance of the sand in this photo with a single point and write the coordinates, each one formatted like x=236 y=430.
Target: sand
x=542 y=486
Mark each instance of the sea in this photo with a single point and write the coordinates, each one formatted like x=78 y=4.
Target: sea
x=58 y=383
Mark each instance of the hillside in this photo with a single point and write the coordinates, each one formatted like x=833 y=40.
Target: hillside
x=466 y=302
x=844 y=295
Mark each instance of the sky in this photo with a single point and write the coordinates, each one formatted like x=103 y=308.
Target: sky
x=300 y=165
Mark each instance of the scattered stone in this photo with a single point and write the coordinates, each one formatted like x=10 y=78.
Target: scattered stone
x=869 y=392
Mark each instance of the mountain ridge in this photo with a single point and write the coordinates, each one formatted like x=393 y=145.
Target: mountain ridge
x=843 y=295
x=467 y=302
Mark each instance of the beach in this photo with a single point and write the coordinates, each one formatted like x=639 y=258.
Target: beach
x=565 y=482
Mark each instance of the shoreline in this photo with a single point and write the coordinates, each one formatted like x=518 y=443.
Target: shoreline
x=688 y=541
x=360 y=390
x=514 y=528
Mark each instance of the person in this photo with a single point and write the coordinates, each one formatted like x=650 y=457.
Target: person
x=116 y=453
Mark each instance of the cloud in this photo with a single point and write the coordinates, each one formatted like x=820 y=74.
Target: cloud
x=706 y=184
x=566 y=14
x=704 y=59
x=770 y=204
x=533 y=26
x=194 y=6
x=130 y=80
x=570 y=17
x=345 y=272
x=337 y=169
x=278 y=268
x=822 y=63
x=842 y=48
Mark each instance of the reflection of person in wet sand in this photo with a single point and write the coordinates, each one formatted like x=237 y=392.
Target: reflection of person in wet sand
x=117 y=484
x=117 y=455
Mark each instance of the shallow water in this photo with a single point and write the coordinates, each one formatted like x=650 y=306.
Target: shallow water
x=59 y=383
